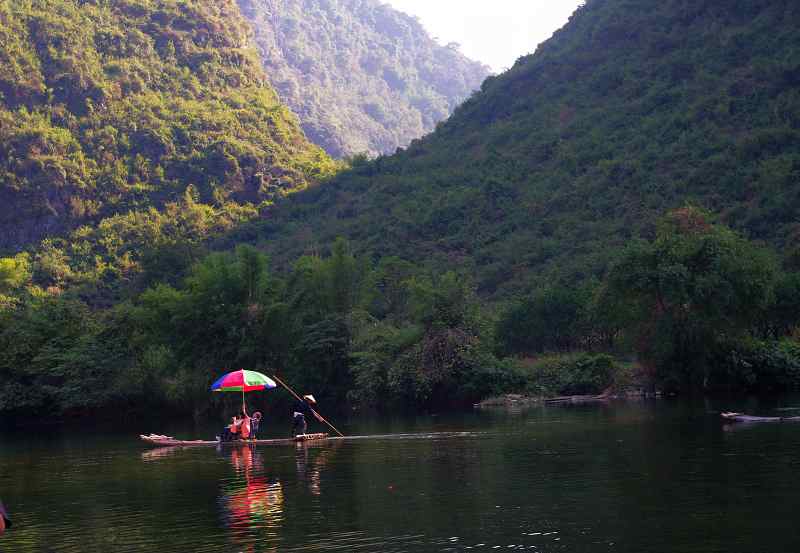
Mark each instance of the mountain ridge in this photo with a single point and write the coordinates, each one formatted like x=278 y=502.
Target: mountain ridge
x=362 y=76
x=635 y=107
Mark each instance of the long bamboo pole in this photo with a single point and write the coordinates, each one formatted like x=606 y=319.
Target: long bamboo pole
x=244 y=384
x=320 y=417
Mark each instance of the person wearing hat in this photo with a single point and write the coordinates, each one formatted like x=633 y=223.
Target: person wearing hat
x=299 y=411
x=5 y=522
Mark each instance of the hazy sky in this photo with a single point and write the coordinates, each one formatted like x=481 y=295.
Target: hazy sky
x=496 y=32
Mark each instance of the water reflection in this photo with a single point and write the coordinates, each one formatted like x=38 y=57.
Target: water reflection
x=252 y=501
x=309 y=474
x=655 y=476
x=160 y=453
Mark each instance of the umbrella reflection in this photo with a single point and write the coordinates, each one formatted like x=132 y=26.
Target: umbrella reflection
x=252 y=503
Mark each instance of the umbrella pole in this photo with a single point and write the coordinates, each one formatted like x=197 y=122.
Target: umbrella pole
x=282 y=383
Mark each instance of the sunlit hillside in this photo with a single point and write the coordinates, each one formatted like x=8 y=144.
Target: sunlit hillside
x=362 y=77
x=108 y=107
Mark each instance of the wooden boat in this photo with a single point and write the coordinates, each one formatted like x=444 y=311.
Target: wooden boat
x=160 y=440
x=739 y=417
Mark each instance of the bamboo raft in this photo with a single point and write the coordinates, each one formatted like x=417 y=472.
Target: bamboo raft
x=603 y=398
x=161 y=440
x=739 y=417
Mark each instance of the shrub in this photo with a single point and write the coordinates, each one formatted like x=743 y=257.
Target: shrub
x=763 y=366
x=572 y=374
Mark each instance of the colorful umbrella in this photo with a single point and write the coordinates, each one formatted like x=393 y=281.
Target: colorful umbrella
x=243 y=381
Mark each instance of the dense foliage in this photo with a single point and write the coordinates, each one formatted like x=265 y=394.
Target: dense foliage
x=109 y=107
x=389 y=334
x=691 y=291
x=700 y=307
x=632 y=109
x=528 y=245
x=362 y=77
x=574 y=374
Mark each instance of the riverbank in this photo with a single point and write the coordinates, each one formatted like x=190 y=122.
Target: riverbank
x=520 y=400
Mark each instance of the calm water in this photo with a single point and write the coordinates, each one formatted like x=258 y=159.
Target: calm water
x=647 y=477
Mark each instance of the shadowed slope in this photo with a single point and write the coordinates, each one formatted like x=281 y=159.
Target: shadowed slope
x=634 y=107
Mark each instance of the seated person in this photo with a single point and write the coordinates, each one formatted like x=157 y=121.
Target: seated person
x=231 y=432
x=244 y=426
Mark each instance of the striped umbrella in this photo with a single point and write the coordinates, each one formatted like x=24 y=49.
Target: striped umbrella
x=243 y=381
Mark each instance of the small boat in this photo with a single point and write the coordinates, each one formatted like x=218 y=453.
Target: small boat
x=161 y=440
x=740 y=417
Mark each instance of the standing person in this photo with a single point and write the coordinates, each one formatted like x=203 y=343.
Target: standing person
x=255 y=425
x=299 y=411
x=5 y=522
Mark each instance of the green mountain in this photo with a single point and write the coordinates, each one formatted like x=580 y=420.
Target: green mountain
x=361 y=76
x=633 y=108
x=538 y=186
x=111 y=107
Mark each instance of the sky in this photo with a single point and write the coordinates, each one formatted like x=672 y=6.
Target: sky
x=495 y=32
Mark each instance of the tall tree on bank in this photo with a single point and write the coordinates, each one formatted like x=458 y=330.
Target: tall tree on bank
x=693 y=287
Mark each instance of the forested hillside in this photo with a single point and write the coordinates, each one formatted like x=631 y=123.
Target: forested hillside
x=630 y=192
x=362 y=77
x=110 y=107
x=633 y=108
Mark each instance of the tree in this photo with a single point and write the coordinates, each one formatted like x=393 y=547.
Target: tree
x=554 y=319
x=783 y=314
x=694 y=286
x=14 y=272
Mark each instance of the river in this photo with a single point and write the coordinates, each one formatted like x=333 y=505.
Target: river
x=633 y=477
